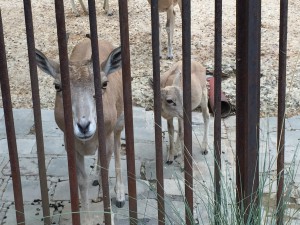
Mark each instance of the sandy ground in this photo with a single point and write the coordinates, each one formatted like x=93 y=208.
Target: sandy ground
x=140 y=47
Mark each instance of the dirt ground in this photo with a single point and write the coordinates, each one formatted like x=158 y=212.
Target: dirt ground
x=140 y=47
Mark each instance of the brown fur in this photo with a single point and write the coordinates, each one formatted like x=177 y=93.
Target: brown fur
x=84 y=110
x=172 y=102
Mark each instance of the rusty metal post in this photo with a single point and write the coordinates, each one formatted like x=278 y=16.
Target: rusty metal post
x=10 y=131
x=281 y=109
x=37 y=111
x=100 y=115
x=66 y=92
x=124 y=32
x=217 y=107
x=157 y=112
x=248 y=106
x=187 y=108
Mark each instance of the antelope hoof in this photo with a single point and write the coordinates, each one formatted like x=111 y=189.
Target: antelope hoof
x=170 y=57
x=204 y=152
x=169 y=162
x=95 y=183
x=108 y=12
x=120 y=204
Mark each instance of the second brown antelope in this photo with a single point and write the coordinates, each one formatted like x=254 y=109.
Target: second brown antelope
x=168 y=6
x=105 y=7
x=172 y=104
x=84 y=109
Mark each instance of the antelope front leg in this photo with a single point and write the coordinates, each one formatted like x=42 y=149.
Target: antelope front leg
x=205 y=114
x=119 y=188
x=171 y=150
x=180 y=142
x=159 y=34
x=83 y=7
x=83 y=188
x=170 y=30
x=74 y=8
x=106 y=8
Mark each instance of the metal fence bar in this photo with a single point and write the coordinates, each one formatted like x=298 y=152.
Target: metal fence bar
x=37 y=111
x=281 y=108
x=124 y=33
x=248 y=107
x=187 y=108
x=217 y=103
x=10 y=131
x=66 y=92
x=157 y=112
x=100 y=115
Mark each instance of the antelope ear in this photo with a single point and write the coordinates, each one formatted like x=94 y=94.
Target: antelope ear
x=113 y=62
x=177 y=78
x=47 y=65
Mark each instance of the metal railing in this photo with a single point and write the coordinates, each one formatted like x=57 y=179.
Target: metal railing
x=247 y=118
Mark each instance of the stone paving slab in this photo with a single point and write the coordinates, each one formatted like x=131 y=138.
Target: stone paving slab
x=24 y=146
x=33 y=215
x=28 y=167
x=23 y=121
x=1 y=114
x=294 y=122
x=52 y=146
x=58 y=167
x=145 y=163
x=30 y=188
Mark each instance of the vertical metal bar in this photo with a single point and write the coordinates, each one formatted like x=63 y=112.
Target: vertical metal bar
x=37 y=111
x=248 y=107
x=281 y=108
x=217 y=103
x=100 y=115
x=157 y=112
x=124 y=32
x=187 y=106
x=69 y=132
x=10 y=131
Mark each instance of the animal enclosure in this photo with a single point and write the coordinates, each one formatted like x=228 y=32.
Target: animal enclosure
x=248 y=36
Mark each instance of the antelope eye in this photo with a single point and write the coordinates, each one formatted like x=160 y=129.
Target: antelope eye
x=57 y=87
x=171 y=102
x=104 y=85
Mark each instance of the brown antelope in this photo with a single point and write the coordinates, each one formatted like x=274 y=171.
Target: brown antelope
x=172 y=104
x=105 y=7
x=168 y=6
x=84 y=109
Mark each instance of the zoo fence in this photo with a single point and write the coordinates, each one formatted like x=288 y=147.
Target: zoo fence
x=247 y=108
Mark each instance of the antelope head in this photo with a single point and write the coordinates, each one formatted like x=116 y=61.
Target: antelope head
x=82 y=89
x=172 y=99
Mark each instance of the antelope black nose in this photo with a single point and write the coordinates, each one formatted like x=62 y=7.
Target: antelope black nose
x=84 y=127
